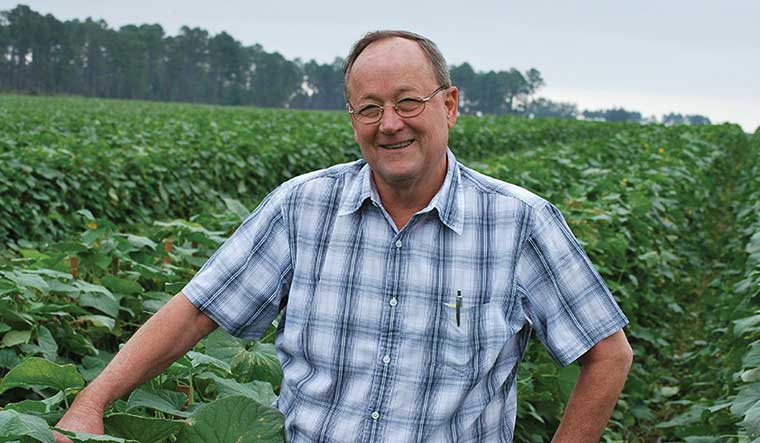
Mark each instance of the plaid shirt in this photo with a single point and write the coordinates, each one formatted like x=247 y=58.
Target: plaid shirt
x=372 y=344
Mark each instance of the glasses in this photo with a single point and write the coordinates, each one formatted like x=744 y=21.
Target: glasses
x=407 y=107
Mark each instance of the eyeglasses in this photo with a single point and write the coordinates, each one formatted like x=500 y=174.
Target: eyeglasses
x=407 y=107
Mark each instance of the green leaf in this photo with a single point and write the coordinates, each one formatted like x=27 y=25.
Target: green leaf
x=8 y=358
x=100 y=321
x=27 y=280
x=47 y=343
x=198 y=359
x=142 y=429
x=235 y=419
x=35 y=371
x=83 y=437
x=220 y=344
x=14 y=338
x=260 y=363
x=105 y=303
x=237 y=208
x=121 y=285
x=748 y=395
x=169 y=402
x=141 y=242
x=259 y=391
x=14 y=424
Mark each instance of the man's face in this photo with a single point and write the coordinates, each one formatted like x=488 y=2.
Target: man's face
x=402 y=152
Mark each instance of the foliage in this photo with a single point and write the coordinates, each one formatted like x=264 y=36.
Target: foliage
x=664 y=213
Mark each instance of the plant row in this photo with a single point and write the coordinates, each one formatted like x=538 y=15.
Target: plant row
x=133 y=162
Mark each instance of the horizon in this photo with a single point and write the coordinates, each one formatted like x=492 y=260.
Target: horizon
x=614 y=63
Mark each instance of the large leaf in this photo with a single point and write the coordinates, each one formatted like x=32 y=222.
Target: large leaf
x=260 y=363
x=220 y=344
x=121 y=285
x=235 y=419
x=13 y=338
x=14 y=424
x=35 y=371
x=142 y=429
x=169 y=402
x=83 y=437
x=259 y=391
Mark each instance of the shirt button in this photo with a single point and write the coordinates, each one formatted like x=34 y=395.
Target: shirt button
x=398 y=243
x=386 y=359
x=394 y=302
x=375 y=415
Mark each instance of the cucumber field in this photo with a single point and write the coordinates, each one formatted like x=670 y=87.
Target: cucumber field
x=108 y=208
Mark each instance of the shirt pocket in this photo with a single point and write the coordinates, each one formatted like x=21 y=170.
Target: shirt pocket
x=461 y=339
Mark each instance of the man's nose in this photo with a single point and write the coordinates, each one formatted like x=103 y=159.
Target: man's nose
x=390 y=122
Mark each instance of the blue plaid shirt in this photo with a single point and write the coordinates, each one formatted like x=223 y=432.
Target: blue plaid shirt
x=372 y=344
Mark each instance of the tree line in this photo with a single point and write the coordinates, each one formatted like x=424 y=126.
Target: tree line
x=41 y=54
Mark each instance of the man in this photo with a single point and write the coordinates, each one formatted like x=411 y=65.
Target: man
x=411 y=283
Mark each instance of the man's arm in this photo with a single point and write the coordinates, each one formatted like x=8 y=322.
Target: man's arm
x=604 y=369
x=164 y=338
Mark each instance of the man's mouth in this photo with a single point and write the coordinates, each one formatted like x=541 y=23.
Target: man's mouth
x=399 y=145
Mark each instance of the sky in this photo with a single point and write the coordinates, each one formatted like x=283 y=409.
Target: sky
x=654 y=57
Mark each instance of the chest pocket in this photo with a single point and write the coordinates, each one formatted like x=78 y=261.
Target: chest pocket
x=463 y=339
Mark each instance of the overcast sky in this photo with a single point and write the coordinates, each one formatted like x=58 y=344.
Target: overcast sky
x=686 y=56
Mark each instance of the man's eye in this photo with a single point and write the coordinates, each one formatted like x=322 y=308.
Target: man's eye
x=408 y=104
x=369 y=111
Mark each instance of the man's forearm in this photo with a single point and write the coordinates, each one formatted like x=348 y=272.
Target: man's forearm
x=595 y=394
x=165 y=337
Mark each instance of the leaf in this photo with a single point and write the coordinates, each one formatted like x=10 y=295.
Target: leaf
x=141 y=242
x=142 y=429
x=198 y=359
x=121 y=285
x=8 y=358
x=14 y=338
x=35 y=371
x=47 y=343
x=83 y=437
x=748 y=395
x=220 y=344
x=692 y=415
x=27 y=280
x=237 y=208
x=100 y=321
x=102 y=300
x=260 y=363
x=259 y=391
x=169 y=402
x=235 y=419
x=14 y=424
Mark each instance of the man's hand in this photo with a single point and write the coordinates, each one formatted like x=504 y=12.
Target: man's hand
x=604 y=369
x=165 y=337
x=81 y=417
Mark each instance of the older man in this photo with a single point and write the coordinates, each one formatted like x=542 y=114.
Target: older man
x=411 y=283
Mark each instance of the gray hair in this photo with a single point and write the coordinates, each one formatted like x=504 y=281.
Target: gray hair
x=438 y=63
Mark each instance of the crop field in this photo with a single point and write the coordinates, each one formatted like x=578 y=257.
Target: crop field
x=107 y=208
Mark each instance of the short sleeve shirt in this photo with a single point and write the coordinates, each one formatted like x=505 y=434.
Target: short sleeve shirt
x=411 y=335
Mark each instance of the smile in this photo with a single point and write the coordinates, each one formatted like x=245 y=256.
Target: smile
x=403 y=144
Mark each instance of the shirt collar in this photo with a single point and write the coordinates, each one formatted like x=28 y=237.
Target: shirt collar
x=447 y=201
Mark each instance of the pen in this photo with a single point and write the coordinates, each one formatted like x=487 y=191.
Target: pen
x=459 y=304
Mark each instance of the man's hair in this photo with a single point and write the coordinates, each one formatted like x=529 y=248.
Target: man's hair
x=437 y=62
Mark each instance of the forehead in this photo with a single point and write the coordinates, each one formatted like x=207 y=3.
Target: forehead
x=392 y=65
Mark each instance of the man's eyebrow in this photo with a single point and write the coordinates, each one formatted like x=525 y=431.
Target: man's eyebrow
x=399 y=91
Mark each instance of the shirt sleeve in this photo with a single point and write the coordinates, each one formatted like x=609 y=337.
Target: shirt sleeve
x=241 y=285
x=563 y=296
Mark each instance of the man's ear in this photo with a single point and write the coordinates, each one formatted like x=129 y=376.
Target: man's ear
x=451 y=101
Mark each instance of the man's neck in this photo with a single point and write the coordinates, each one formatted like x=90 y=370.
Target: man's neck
x=403 y=200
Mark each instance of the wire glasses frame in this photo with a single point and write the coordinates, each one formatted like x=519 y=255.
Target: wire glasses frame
x=407 y=107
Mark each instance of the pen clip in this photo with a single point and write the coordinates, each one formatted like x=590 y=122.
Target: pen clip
x=458 y=305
